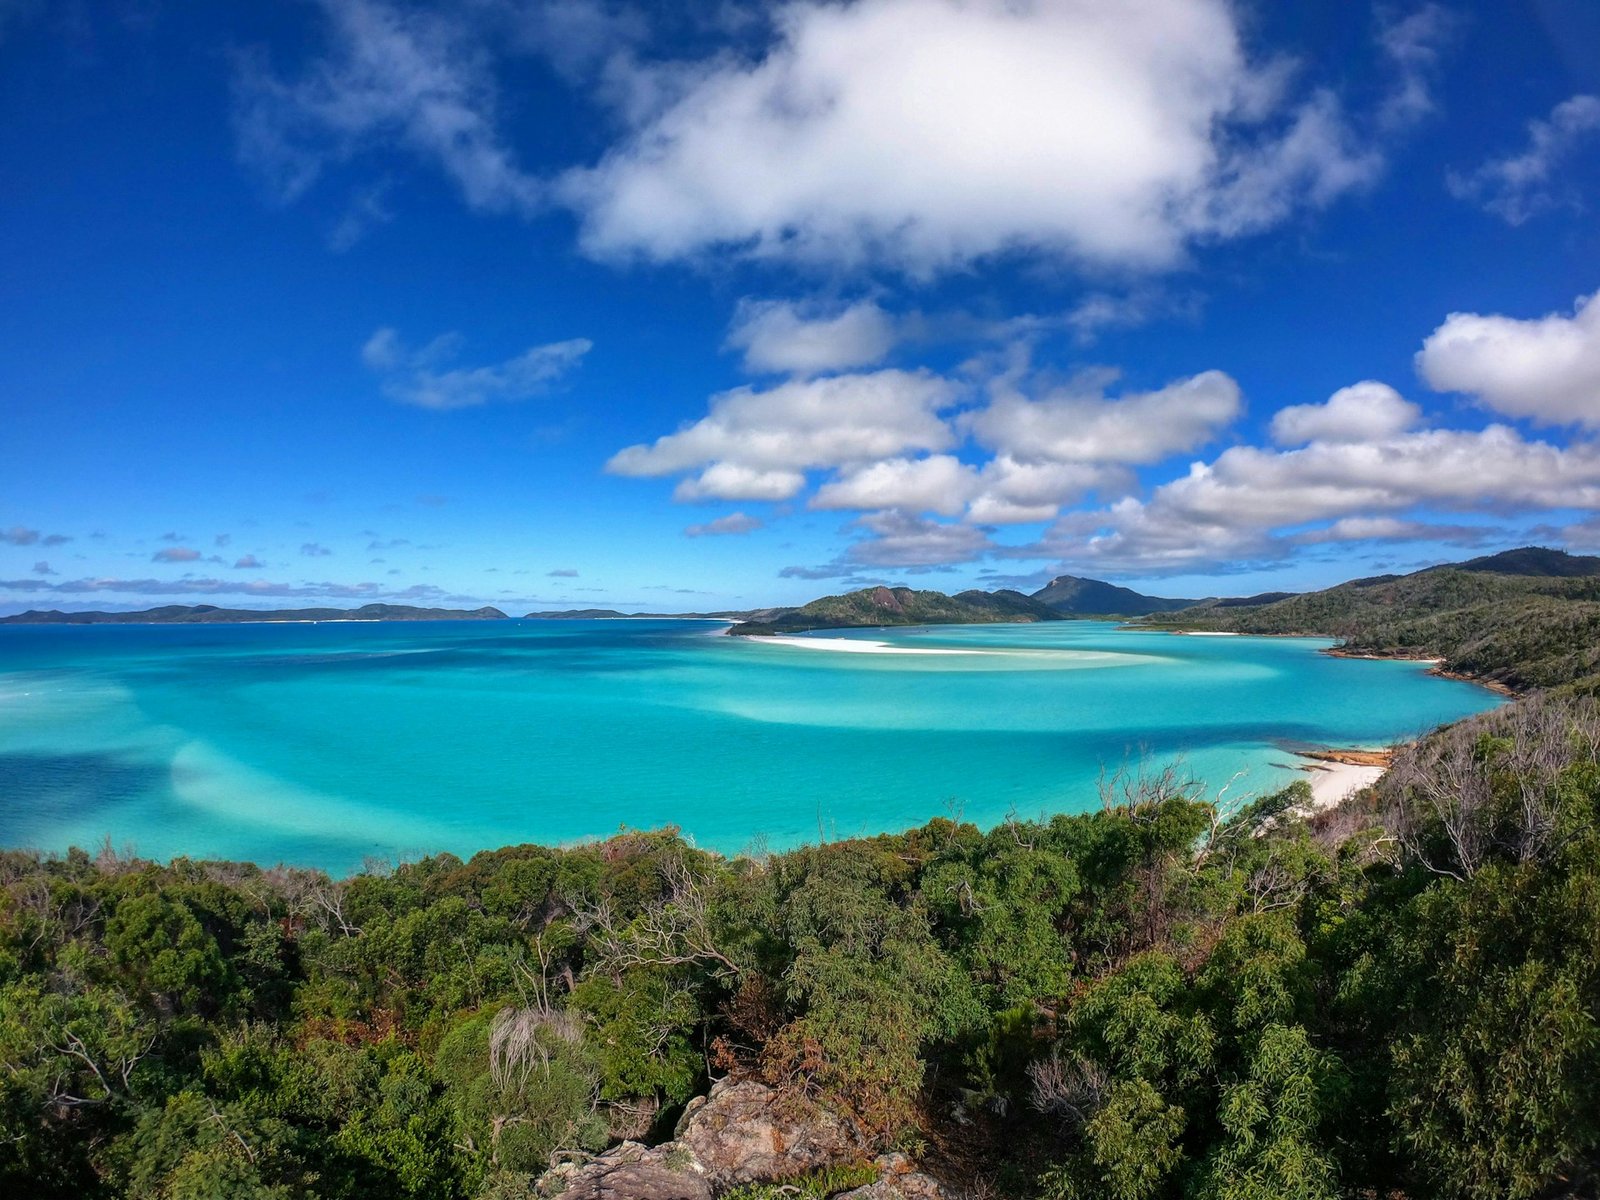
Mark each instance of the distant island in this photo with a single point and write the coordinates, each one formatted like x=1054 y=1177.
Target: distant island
x=1064 y=597
x=210 y=614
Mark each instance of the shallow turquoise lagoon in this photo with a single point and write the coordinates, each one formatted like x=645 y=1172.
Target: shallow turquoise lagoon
x=324 y=744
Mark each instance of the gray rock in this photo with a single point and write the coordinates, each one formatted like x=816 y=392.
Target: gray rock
x=900 y=1181
x=630 y=1172
x=747 y=1133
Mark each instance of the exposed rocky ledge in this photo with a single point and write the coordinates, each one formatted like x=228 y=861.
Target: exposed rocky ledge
x=741 y=1133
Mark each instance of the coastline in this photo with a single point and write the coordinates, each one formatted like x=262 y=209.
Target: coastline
x=1334 y=775
x=1437 y=667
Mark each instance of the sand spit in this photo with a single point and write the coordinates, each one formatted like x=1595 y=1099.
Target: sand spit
x=858 y=646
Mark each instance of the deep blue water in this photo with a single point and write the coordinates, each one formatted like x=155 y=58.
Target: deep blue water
x=324 y=744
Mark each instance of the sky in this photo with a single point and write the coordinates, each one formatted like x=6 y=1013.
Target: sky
x=575 y=303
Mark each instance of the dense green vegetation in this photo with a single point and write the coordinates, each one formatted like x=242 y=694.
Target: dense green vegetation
x=1524 y=631
x=1160 y=999
x=899 y=606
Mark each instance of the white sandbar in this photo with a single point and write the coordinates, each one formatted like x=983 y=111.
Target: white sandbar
x=858 y=646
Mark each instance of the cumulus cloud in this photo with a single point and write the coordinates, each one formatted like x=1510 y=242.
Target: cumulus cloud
x=248 y=563
x=19 y=536
x=314 y=550
x=562 y=573
x=1396 y=529
x=888 y=438
x=1015 y=492
x=902 y=540
x=175 y=554
x=1113 y=135
x=1522 y=185
x=392 y=77
x=1362 y=412
x=42 y=568
x=1546 y=369
x=898 y=539
x=1240 y=506
x=756 y=444
x=733 y=523
x=419 y=377
x=1079 y=423
x=805 y=339
x=939 y=483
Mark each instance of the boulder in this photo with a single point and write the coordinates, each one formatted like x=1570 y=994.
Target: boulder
x=629 y=1172
x=900 y=1181
x=740 y=1133
x=748 y=1133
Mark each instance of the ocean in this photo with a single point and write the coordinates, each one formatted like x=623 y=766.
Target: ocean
x=332 y=744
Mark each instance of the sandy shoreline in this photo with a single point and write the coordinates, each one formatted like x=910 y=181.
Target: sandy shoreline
x=1333 y=782
x=1335 y=774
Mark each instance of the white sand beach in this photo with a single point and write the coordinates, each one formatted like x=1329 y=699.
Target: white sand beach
x=1332 y=782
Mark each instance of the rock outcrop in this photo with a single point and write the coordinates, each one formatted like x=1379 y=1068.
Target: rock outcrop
x=629 y=1172
x=899 y=1181
x=746 y=1132
x=740 y=1133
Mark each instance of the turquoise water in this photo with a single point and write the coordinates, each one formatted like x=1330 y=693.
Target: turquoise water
x=325 y=744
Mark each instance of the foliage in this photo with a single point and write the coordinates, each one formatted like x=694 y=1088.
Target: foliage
x=1151 y=1001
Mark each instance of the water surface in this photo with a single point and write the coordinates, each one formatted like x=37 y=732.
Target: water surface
x=324 y=744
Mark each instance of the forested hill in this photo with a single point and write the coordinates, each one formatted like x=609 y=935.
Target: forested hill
x=1528 y=618
x=877 y=606
x=205 y=614
x=1156 y=1000
x=1075 y=596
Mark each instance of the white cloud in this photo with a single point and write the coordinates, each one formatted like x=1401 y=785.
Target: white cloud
x=928 y=133
x=733 y=523
x=939 y=483
x=735 y=481
x=755 y=444
x=1524 y=184
x=1393 y=529
x=393 y=76
x=1019 y=493
x=1363 y=412
x=899 y=539
x=1079 y=423
x=1546 y=369
x=781 y=336
x=417 y=377
x=1413 y=43
x=1241 y=505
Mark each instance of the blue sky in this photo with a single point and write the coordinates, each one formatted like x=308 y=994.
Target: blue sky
x=551 y=303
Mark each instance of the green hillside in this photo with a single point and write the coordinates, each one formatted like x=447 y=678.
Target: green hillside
x=1534 y=630
x=1397 y=998
x=871 y=607
x=1071 y=595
